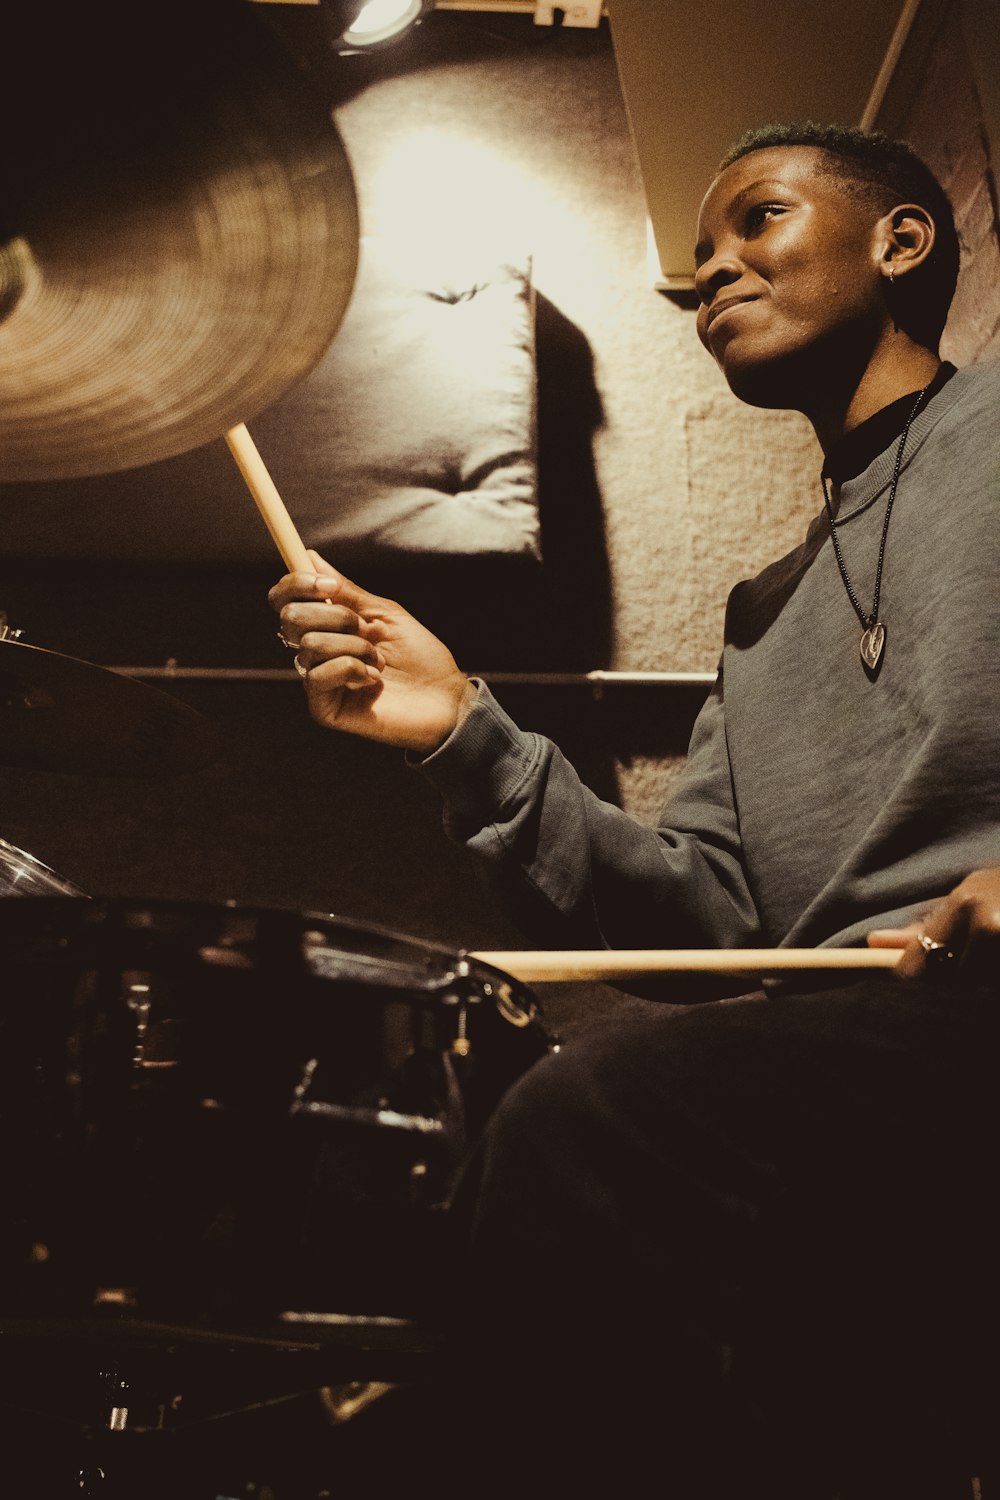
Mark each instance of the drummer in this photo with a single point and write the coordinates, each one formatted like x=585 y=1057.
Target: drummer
x=745 y=1245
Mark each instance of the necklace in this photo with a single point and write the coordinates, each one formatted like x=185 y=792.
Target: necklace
x=873 y=638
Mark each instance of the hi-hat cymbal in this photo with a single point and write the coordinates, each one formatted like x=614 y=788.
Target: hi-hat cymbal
x=180 y=241
x=61 y=714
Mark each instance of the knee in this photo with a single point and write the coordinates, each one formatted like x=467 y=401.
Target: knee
x=538 y=1104
x=589 y=1097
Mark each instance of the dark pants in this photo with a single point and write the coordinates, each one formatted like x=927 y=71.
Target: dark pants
x=740 y=1248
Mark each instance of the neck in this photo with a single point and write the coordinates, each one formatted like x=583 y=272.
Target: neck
x=907 y=367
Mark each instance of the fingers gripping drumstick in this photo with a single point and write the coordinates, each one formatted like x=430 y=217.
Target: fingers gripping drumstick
x=270 y=504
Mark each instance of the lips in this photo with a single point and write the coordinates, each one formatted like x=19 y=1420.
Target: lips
x=723 y=305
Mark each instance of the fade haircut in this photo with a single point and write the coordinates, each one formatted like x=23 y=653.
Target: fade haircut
x=880 y=172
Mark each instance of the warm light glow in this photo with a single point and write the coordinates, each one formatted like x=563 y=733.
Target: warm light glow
x=381 y=19
x=465 y=198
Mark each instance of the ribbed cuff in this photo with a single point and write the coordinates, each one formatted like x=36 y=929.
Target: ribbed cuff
x=483 y=763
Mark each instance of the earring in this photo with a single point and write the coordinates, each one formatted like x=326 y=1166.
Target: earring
x=892 y=274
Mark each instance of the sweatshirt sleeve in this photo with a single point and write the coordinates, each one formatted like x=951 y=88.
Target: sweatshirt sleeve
x=580 y=871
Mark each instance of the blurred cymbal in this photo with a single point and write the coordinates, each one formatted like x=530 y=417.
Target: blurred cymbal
x=61 y=714
x=179 y=241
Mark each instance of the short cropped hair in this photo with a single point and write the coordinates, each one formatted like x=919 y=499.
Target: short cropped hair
x=881 y=172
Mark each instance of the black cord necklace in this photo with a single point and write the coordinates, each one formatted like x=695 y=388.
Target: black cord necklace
x=873 y=639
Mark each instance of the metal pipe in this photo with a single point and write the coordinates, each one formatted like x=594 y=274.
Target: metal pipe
x=890 y=63
x=171 y=672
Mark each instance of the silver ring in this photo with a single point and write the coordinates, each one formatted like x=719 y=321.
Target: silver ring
x=935 y=952
x=282 y=637
x=302 y=671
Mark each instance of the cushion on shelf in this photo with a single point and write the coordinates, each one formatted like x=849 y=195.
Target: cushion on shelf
x=413 y=437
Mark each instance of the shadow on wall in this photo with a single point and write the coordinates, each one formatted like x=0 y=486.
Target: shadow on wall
x=577 y=577
x=509 y=614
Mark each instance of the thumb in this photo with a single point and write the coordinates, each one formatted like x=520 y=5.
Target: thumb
x=331 y=584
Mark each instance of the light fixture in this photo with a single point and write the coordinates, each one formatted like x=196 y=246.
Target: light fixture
x=363 y=25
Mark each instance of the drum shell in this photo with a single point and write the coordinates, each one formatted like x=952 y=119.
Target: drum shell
x=224 y=1116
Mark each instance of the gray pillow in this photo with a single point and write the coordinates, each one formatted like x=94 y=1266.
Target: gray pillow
x=413 y=436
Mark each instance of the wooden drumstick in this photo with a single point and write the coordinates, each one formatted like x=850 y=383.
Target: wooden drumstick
x=270 y=504
x=537 y=967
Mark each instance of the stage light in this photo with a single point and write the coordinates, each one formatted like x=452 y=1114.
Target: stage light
x=365 y=26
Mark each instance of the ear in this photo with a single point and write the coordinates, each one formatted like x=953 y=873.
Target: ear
x=906 y=238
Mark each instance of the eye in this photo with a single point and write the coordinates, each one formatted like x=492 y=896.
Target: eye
x=760 y=215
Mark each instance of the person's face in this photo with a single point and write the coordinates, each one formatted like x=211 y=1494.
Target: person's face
x=787 y=274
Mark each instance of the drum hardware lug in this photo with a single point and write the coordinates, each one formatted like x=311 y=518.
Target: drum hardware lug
x=138 y=1001
x=131 y=1410
x=119 y=1418
x=501 y=992
x=148 y=1039
x=509 y=1008
x=460 y=1044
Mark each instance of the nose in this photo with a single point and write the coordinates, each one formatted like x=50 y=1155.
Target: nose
x=721 y=269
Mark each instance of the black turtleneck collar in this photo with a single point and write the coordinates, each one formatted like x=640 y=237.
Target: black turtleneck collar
x=865 y=442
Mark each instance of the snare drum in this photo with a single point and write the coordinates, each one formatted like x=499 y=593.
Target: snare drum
x=235 y=1118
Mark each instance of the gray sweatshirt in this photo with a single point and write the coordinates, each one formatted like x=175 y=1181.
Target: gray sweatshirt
x=816 y=802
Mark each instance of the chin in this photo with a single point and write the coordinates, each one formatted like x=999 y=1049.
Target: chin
x=780 y=381
x=761 y=387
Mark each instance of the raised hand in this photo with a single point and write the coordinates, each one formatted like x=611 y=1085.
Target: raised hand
x=966 y=923
x=369 y=667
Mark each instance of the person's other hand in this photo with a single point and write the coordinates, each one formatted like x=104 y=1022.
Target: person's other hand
x=966 y=923
x=369 y=667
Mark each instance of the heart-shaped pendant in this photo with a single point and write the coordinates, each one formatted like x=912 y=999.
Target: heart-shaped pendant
x=872 y=643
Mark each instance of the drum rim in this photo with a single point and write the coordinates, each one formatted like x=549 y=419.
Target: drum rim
x=458 y=960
